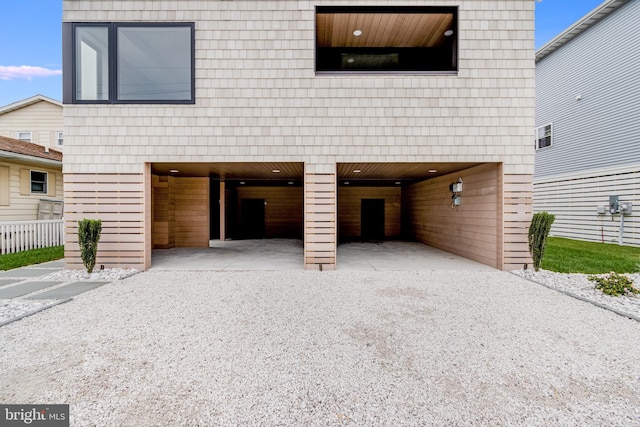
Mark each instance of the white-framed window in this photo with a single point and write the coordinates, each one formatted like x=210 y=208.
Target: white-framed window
x=59 y=138
x=544 y=136
x=38 y=182
x=24 y=135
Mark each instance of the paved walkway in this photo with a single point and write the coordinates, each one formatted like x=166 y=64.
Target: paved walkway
x=26 y=290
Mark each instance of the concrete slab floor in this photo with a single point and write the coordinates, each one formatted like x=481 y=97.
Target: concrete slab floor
x=402 y=256
x=241 y=255
x=288 y=254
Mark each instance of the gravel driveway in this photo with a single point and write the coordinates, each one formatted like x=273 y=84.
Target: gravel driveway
x=329 y=348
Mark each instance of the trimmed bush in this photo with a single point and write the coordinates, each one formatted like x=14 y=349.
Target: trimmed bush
x=614 y=284
x=538 y=233
x=88 y=237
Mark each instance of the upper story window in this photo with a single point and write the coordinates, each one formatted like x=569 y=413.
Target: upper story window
x=386 y=39
x=544 y=136
x=38 y=182
x=59 y=138
x=24 y=135
x=130 y=63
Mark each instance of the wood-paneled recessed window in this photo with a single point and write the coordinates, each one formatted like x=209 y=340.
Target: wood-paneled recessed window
x=386 y=39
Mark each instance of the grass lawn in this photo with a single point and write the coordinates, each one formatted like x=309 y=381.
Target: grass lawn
x=575 y=256
x=35 y=256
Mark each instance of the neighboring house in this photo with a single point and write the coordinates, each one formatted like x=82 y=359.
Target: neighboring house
x=30 y=181
x=588 y=125
x=323 y=120
x=37 y=119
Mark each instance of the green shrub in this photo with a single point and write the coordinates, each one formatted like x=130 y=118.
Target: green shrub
x=538 y=233
x=614 y=284
x=88 y=237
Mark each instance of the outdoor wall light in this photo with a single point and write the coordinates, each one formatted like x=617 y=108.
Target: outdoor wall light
x=456 y=189
x=432 y=170
x=174 y=171
x=448 y=33
x=276 y=171
x=357 y=33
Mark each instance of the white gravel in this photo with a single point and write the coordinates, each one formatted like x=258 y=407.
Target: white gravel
x=580 y=286
x=11 y=309
x=326 y=348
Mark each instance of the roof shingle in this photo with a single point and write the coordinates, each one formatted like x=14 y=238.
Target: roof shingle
x=28 y=149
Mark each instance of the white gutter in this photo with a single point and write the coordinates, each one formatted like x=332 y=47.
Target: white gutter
x=8 y=155
x=590 y=19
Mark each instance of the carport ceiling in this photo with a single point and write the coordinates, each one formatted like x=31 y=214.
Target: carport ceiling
x=397 y=171
x=233 y=171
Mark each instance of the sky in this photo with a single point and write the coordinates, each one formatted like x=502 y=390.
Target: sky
x=31 y=46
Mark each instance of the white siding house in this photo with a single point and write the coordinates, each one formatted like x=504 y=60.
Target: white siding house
x=588 y=125
x=321 y=120
x=29 y=175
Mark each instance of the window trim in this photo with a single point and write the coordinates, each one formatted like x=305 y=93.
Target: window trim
x=46 y=182
x=59 y=138
x=389 y=9
x=69 y=62
x=25 y=131
x=538 y=139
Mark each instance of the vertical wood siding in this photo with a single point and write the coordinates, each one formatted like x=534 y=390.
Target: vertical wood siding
x=320 y=221
x=180 y=212
x=349 y=200
x=602 y=65
x=163 y=229
x=117 y=200
x=574 y=199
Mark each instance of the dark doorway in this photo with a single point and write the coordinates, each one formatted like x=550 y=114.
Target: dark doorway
x=372 y=219
x=252 y=218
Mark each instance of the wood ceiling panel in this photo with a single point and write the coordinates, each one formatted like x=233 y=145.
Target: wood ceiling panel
x=397 y=171
x=382 y=30
x=241 y=170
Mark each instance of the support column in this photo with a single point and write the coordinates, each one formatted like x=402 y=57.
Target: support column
x=222 y=206
x=320 y=217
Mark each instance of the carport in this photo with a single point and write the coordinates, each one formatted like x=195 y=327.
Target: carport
x=415 y=202
x=193 y=203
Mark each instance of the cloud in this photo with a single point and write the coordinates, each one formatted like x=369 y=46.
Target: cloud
x=27 y=72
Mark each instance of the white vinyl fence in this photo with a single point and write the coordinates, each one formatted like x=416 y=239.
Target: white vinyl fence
x=18 y=236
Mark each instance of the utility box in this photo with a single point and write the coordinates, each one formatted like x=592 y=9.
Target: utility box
x=625 y=208
x=602 y=210
x=613 y=204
